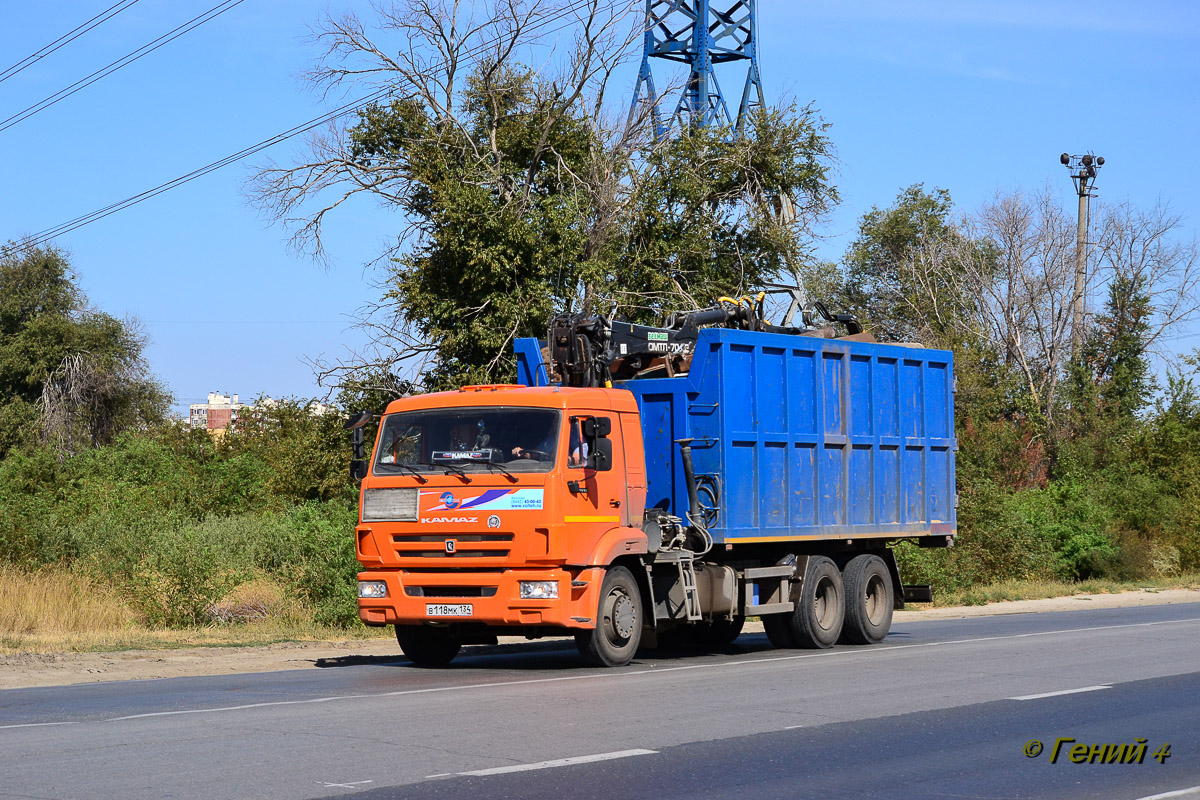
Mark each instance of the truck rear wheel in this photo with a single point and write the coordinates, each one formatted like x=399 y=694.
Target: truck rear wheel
x=427 y=646
x=817 y=619
x=618 y=631
x=868 y=600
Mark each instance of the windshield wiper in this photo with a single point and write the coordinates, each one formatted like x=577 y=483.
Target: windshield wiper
x=507 y=474
x=459 y=471
x=416 y=473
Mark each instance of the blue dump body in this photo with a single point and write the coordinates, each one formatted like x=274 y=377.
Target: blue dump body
x=798 y=437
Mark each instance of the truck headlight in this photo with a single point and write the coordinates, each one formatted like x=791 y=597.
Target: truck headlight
x=539 y=590
x=372 y=589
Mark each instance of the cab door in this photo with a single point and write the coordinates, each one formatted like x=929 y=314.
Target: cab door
x=595 y=496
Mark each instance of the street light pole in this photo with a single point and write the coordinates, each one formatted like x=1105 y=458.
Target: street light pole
x=1083 y=175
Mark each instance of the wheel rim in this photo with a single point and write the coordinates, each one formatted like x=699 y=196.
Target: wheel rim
x=825 y=608
x=621 y=616
x=875 y=600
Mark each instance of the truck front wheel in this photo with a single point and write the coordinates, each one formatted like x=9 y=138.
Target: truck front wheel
x=427 y=646
x=868 y=600
x=817 y=619
x=618 y=630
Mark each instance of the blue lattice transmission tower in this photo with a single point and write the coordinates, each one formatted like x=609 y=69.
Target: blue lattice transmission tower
x=695 y=33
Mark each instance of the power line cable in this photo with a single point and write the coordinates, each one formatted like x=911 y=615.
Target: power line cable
x=66 y=38
x=46 y=235
x=78 y=222
x=124 y=61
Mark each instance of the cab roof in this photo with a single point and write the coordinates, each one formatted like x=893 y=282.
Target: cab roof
x=511 y=394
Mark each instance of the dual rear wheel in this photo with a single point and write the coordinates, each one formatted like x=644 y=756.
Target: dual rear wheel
x=853 y=605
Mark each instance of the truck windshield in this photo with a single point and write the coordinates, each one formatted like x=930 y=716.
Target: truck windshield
x=469 y=439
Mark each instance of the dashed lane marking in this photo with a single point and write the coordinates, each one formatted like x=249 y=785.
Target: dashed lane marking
x=560 y=762
x=1060 y=692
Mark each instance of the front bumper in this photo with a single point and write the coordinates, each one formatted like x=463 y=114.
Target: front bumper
x=494 y=597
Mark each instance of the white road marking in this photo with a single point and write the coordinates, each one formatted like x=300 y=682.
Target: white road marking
x=648 y=671
x=439 y=775
x=560 y=762
x=793 y=727
x=1060 y=692
x=349 y=785
x=38 y=724
x=1191 y=790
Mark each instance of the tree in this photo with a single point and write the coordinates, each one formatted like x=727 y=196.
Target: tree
x=69 y=374
x=896 y=280
x=706 y=214
x=1114 y=355
x=1140 y=250
x=523 y=197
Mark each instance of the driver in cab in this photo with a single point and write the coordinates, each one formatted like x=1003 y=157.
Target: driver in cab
x=576 y=457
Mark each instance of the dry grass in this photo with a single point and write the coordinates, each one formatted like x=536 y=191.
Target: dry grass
x=1036 y=590
x=60 y=610
x=58 y=602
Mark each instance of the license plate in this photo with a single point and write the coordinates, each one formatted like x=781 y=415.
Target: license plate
x=448 y=610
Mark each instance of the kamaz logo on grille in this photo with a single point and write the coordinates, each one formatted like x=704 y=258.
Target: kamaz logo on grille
x=451 y=546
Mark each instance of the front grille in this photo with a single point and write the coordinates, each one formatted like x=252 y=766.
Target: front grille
x=456 y=554
x=418 y=546
x=450 y=591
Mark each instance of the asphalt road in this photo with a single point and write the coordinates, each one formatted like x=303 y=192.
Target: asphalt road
x=941 y=709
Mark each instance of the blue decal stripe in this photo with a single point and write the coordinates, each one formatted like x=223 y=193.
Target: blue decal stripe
x=490 y=494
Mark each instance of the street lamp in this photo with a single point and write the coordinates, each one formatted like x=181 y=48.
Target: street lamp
x=1083 y=175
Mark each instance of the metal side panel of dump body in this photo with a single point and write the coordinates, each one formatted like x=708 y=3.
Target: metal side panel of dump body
x=798 y=437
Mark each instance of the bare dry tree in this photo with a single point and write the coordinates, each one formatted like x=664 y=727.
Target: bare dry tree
x=1142 y=247
x=88 y=399
x=1024 y=286
x=1015 y=260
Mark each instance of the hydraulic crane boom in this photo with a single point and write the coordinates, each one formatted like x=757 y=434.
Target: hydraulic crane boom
x=595 y=350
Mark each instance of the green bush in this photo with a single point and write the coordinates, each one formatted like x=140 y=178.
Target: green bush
x=996 y=542
x=311 y=548
x=175 y=519
x=182 y=573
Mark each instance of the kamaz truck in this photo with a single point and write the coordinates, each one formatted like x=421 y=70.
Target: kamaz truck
x=648 y=484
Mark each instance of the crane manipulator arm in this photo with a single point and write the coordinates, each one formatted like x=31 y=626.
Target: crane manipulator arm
x=595 y=350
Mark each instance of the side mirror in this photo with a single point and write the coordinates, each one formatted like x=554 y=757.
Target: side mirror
x=358 y=465
x=358 y=420
x=602 y=455
x=597 y=427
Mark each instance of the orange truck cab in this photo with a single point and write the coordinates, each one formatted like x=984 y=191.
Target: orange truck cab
x=501 y=510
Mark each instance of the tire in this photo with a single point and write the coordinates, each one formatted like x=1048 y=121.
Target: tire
x=869 y=599
x=618 y=631
x=427 y=646
x=778 y=628
x=819 y=615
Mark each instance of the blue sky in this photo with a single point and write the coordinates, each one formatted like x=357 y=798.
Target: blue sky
x=972 y=97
